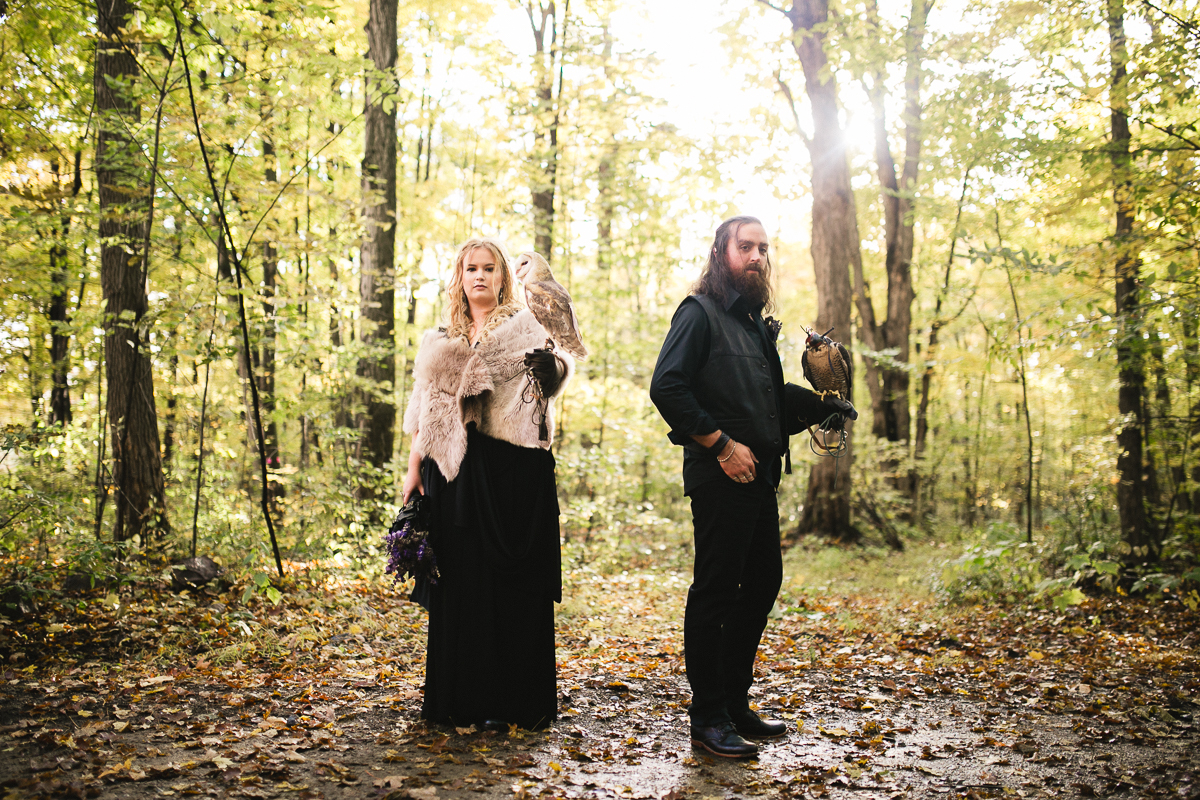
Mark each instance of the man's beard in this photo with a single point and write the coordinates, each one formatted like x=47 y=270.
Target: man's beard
x=753 y=286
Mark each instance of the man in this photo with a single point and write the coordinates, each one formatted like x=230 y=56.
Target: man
x=719 y=384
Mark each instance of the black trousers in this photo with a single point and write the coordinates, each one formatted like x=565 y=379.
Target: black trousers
x=737 y=576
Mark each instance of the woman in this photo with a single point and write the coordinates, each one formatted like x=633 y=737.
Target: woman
x=481 y=387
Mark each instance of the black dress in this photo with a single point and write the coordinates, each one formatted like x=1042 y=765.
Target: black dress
x=490 y=654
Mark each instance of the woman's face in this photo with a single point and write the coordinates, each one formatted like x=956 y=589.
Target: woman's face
x=481 y=279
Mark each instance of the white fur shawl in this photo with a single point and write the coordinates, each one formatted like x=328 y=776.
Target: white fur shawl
x=454 y=384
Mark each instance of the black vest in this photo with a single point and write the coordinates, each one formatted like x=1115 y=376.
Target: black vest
x=736 y=385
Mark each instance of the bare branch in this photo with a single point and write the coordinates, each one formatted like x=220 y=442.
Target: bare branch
x=1191 y=27
x=787 y=93
x=772 y=6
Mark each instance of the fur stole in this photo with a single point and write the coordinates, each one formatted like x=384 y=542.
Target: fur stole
x=455 y=384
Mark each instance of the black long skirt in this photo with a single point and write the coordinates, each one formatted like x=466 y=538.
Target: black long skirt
x=490 y=654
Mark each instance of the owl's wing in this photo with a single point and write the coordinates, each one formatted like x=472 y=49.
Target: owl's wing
x=551 y=305
x=849 y=368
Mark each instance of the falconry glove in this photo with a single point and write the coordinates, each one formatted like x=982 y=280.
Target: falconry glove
x=543 y=365
x=836 y=412
x=807 y=408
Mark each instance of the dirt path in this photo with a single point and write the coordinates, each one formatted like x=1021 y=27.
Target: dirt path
x=884 y=701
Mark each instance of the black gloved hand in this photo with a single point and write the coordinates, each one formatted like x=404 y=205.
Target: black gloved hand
x=544 y=366
x=837 y=411
x=805 y=408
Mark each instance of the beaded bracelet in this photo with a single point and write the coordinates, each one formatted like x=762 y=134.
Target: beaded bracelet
x=732 y=450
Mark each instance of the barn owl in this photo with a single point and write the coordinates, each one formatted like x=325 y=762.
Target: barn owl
x=550 y=303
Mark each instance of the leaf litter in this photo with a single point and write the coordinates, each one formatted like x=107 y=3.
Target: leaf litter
x=201 y=695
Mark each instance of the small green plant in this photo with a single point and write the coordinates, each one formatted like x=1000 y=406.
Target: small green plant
x=1088 y=568
x=1002 y=567
x=260 y=583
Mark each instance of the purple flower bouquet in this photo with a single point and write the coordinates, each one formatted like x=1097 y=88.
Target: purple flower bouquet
x=410 y=553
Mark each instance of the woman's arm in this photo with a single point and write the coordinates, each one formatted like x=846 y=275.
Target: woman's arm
x=412 y=479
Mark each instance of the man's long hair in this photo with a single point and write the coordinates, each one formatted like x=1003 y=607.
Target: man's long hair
x=458 y=310
x=716 y=279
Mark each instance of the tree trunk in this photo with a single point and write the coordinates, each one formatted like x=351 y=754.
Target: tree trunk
x=1131 y=487
x=266 y=372
x=889 y=385
x=377 y=278
x=60 y=320
x=60 y=336
x=548 y=53
x=1191 y=359
x=835 y=249
x=170 y=423
x=246 y=362
x=922 y=427
x=137 y=464
x=1157 y=416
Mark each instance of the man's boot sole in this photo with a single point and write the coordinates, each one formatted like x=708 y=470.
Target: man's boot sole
x=707 y=749
x=760 y=736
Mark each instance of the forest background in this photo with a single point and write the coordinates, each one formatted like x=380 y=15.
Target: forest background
x=225 y=227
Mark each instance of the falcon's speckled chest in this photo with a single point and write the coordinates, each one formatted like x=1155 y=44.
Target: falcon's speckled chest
x=827 y=367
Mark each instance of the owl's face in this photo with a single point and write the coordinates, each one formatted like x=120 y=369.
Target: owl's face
x=531 y=267
x=523 y=265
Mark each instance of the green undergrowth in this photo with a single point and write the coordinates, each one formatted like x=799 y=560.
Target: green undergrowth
x=813 y=568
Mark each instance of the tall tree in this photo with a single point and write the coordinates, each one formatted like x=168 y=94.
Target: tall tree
x=270 y=269
x=137 y=465
x=377 y=278
x=1131 y=488
x=835 y=243
x=549 y=34
x=58 y=311
x=270 y=274
x=887 y=378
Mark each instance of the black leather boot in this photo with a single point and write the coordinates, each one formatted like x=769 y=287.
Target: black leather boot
x=723 y=740
x=752 y=726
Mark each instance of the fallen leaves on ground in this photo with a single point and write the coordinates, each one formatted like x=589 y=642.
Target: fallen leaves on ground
x=159 y=694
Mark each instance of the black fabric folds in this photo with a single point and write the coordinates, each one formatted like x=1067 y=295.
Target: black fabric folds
x=490 y=652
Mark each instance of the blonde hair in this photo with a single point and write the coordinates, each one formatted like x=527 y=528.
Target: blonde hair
x=458 y=310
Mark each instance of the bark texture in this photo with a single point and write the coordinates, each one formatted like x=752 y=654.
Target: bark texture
x=544 y=20
x=266 y=377
x=137 y=477
x=835 y=249
x=1131 y=486
x=57 y=310
x=378 y=256
x=888 y=378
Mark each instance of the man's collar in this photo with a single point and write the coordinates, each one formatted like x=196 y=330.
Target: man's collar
x=734 y=296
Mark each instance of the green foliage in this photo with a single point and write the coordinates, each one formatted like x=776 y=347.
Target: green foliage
x=998 y=568
x=1016 y=172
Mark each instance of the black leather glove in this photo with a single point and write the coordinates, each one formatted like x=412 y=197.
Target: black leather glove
x=544 y=366
x=836 y=411
x=805 y=408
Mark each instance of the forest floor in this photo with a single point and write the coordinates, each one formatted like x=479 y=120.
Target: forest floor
x=146 y=693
